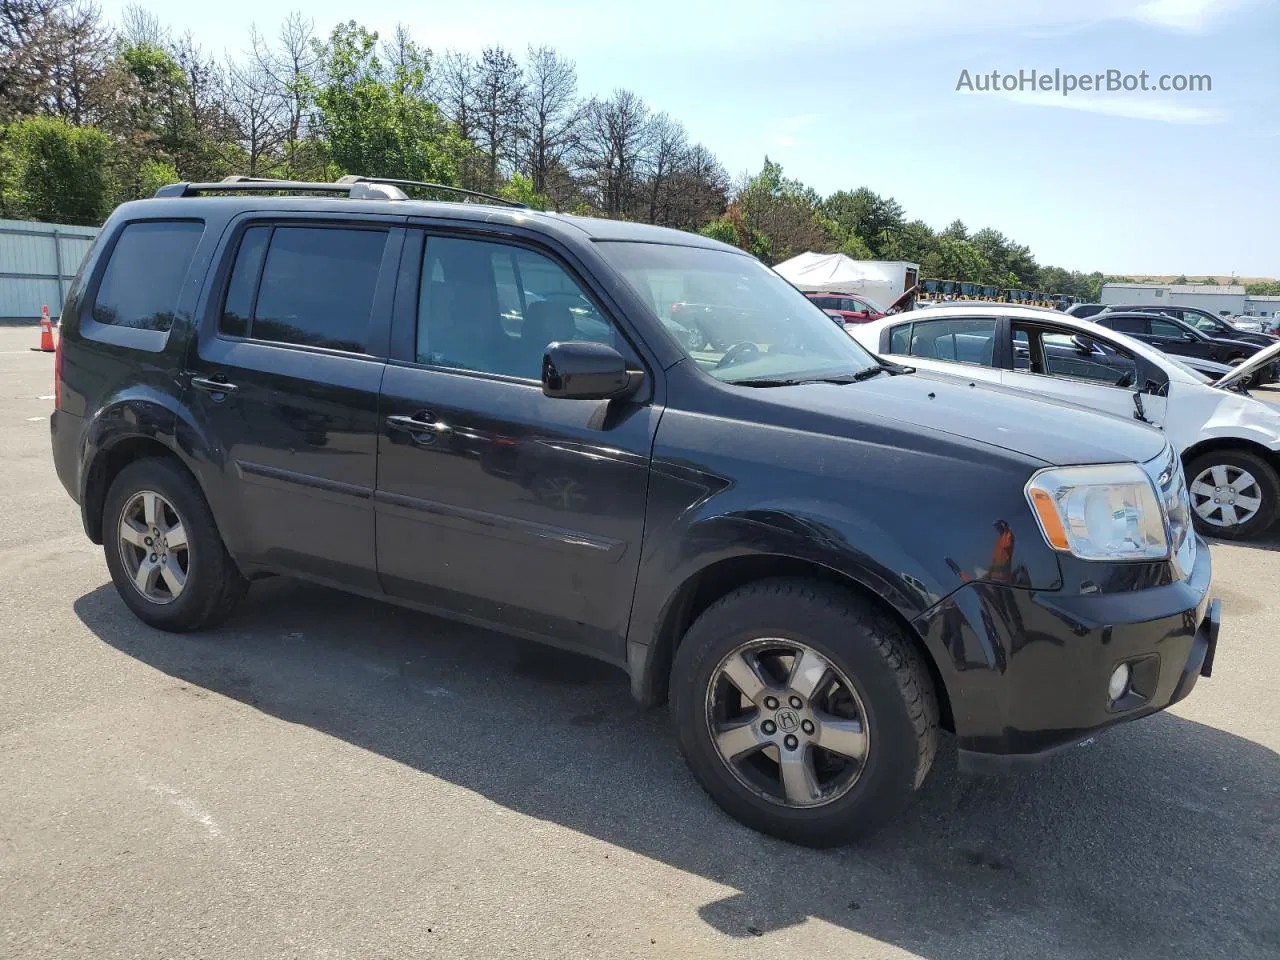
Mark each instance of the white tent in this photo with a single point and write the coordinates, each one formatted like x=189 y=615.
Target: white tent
x=881 y=280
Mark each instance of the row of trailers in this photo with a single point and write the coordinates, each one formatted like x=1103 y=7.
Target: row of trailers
x=962 y=290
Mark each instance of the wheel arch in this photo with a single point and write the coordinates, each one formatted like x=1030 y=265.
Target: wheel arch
x=107 y=464
x=651 y=664
x=1213 y=444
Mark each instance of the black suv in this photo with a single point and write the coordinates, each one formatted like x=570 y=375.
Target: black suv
x=821 y=559
x=1211 y=326
x=1170 y=335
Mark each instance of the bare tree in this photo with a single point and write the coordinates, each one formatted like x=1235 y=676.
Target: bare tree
x=140 y=25
x=551 y=116
x=253 y=101
x=288 y=70
x=613 y=145
x=667 y=145
x=498 y=102
x=454 y=87
x=52 y=56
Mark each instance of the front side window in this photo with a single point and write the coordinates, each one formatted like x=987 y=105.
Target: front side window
x=1078 y=356
x=1203 y=324
x=494 y=308
x=308 y=286
x=143 y=279
x=960 y=340
x=745 y=323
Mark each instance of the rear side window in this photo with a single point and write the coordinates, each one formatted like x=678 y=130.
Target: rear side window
x=143 y=279
x=900 y=338
x=959 y=340
x=1124 y=324
x=311 y=286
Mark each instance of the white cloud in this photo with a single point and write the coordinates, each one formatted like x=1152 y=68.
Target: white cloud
x=1132 y=108
x=1191 y=16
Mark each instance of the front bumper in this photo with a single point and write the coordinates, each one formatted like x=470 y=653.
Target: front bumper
x=1027 y=672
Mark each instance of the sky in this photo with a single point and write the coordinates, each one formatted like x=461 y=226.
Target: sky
x=849 y=93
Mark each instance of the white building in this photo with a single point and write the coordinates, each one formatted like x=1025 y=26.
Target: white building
x=1262 y=306
x=1222 y=300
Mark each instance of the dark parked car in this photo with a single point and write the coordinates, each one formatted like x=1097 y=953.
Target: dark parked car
x=821 y=560
x=1178 y=338
x=1218 y=328
x=1085 y=310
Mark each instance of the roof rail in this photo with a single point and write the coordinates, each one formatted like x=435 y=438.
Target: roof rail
x=355 y=190
x=352 y=178
x=354 y=187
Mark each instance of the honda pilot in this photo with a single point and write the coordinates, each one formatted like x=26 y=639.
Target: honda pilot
x=825 y=563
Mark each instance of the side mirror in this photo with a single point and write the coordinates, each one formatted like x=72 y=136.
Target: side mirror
x=1188 y=336
x=1083 y=346
x=577 y=370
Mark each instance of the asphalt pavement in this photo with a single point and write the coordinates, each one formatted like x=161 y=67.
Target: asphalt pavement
x=325 y=776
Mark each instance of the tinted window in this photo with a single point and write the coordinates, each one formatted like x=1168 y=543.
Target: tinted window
x=1161 y=327
x=144 y=276
x=494 y=308
x=1124 y=324
x=1021 y=350
x=238 y=307
x=317 y=287
x=900 y=338
x=1203 y=324
x=1082 y=357
x=960 y=340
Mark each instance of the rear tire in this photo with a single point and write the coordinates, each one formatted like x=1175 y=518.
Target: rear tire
x=889 y=698
x=1227 y=475
x=163 y=549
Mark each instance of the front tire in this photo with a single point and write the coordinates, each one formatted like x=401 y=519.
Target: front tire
x=804 y=712
x=1235 y=494
x=163 y=549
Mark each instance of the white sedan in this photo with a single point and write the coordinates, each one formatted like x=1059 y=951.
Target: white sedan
x=1229 y=441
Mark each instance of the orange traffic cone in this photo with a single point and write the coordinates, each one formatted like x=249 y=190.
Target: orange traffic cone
x=46 y=332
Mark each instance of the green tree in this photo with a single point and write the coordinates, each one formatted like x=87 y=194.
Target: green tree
x=865 y=214
x=520 y=189
x=785 y=213
x=378 y=119
x=854 y=246
x=956 y=230
x=57 y=172
x=912 y=242
x=732 y=228
x=957 y=260
x=1263 y=288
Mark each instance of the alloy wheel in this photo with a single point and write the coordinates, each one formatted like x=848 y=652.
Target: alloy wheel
x=1225 y=496
x=787 y=723
x=153 y=546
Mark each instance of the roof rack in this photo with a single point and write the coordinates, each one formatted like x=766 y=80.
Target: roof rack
x=352 y=178
x=352 y=186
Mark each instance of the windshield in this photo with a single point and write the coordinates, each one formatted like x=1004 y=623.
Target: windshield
x=743 y=321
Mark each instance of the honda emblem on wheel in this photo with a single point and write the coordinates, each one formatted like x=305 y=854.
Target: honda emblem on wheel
x=788 y=720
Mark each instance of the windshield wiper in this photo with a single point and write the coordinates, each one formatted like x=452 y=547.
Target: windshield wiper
x=799 y=381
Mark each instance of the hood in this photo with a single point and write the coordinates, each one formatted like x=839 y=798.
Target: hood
x=1252 y=365
x=1057 y=434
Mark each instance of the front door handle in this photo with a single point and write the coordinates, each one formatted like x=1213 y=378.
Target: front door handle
x=417 y=425
x=213 y=385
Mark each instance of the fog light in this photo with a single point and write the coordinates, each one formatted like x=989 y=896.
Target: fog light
x=1119 y=684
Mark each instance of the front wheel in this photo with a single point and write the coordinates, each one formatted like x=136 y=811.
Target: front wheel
x=803 y=712
x=1235 y=494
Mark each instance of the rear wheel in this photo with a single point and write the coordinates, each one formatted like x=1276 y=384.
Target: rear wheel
x=164 y=551
x=1235 y=494
x=803 y=712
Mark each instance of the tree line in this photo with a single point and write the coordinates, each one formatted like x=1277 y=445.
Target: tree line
x=94 y=113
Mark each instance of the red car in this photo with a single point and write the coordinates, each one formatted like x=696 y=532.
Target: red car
x=854 y=309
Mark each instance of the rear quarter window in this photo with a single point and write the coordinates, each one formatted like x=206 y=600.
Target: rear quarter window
x=140 y=287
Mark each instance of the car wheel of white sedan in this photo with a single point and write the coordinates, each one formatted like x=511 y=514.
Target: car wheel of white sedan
x=1235 y=493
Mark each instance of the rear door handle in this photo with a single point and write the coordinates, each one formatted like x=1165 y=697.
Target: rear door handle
x=213 y=385
x=418 y=425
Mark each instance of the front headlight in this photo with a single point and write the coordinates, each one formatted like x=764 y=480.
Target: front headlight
x=1109 y=512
